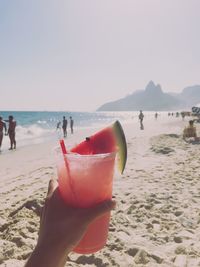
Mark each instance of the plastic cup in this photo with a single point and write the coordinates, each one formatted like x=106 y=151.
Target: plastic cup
x=85 y=182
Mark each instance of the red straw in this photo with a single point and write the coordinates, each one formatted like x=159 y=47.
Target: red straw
x=63 y=147
x=64 y=151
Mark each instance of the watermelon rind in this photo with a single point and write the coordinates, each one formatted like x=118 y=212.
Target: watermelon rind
x=121 y=144
x=110 y=139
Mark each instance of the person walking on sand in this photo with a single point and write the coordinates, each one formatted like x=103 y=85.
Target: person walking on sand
x=141 y=117
x=58 y=125
x=71 y=125
x=64 y=127
x=11 y=131
x=2 y=126
x=156 y=115
x=183 y=115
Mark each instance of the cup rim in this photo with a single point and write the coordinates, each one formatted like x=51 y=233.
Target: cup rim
x=76 y=155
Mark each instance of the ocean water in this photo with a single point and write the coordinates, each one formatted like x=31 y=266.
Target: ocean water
x=36 y=127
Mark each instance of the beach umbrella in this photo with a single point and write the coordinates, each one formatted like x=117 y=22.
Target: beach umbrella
x=196 y=110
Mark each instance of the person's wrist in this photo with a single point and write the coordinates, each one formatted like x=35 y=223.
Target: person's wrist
x=48 y=255
x=48 y=248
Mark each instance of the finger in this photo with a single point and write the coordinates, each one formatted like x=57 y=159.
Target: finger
x=100 y=209
x=42 y=217
x=53 y=184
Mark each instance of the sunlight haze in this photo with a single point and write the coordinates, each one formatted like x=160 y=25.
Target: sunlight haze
x=79 y=54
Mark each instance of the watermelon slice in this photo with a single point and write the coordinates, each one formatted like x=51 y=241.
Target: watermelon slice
x=110 y=139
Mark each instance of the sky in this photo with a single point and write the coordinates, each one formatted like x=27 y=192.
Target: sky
x=76 y=55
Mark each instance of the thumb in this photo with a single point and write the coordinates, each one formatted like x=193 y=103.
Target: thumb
x=100 y=209
x=53 y=184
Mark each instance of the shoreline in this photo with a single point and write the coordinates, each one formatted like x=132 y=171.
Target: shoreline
x=41 y=130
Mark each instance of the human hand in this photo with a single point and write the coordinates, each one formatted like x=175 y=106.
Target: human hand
x=61 y=228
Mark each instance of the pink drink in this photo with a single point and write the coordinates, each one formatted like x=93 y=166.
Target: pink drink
x=87 y=183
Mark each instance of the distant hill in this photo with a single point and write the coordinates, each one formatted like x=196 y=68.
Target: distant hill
x=153 y=98
x=191 y=95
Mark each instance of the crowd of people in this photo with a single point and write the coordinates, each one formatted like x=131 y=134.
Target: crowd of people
x=189 y=132
x=10 y=131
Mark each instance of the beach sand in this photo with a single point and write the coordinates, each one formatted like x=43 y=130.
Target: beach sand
x=157 y=218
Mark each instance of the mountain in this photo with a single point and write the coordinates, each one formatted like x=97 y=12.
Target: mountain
x=191 y=95
x=152 y=98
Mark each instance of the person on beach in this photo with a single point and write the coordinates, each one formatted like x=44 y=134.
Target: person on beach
x=141 y=117
x=71 y=125
x=61 y=228
x=190 y=132
x=58 y=125
x=183 y=115
x=156 y=115
x=2 y=126
x=64 y=127
x=11 y=131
